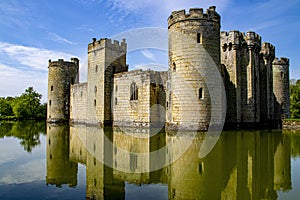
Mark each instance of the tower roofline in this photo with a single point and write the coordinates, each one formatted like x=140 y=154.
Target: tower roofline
x=281 y=61
x=106 y=42
x=194 y=14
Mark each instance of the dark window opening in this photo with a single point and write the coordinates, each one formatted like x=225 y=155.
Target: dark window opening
x=96 y=69
x=133 y=92
x=201 y=93
x=174 y=67
x=72 y=80
x=95 y=102
x=224 y=47
x=200 y=169
x=230 y=46
x=199 y=38
x=116 y=88
x=50 y=156
x=49 y=102
x=167 y=104
x=51 y=87
x=116 y=101
x=95 y=89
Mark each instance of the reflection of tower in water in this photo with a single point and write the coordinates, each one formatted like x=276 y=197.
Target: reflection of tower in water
x=242 y=165
x=59 y=169
x=282 y=164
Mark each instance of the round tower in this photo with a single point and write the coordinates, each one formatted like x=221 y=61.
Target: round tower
x=62 y=74
x=281 y=88
x=194 y=54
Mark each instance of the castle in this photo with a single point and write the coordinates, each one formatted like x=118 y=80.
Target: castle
x=255 y=82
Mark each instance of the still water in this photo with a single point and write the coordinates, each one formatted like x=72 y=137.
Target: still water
x=61 y=162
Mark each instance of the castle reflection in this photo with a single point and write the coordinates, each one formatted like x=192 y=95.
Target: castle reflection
x=242 y=165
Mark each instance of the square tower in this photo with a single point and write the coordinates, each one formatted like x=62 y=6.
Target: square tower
x=105 y=58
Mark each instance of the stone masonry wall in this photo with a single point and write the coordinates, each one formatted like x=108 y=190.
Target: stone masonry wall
x=194 y=51
x=61 y=76
x=128 y=112
x=104 y=58
x=281 y=88
x=78 y=106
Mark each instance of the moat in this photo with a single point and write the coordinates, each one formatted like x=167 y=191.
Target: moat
x=62 y=162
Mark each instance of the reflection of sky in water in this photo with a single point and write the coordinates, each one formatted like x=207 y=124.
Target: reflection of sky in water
x=295 y=192
x=22 y=174
x=152 y=191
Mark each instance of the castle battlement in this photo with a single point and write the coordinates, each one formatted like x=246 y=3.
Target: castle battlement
x=231 y=39
x=194 y=14
x=252 y=39
x=107 y=43
x=268 y=50
x=62 y=63
x=281 y=61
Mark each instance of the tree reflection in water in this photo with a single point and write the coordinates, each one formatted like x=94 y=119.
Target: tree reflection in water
x=27 y=132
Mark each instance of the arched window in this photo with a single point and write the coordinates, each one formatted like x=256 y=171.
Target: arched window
x=133 y=92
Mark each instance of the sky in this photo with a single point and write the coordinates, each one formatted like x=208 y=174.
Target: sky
x=34 y=31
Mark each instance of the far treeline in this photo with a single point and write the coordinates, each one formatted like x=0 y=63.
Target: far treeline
x=25 y=107
x=295 y=98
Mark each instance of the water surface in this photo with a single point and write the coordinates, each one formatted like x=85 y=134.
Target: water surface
x=62 y=162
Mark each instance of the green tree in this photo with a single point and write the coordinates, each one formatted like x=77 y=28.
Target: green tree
x=5 y=108
x=28 y=105
x=295 y=100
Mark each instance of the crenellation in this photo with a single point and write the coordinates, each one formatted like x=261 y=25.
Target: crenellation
x=268 y=50
x=253 y=40
x=281 y=61
x=194 y=14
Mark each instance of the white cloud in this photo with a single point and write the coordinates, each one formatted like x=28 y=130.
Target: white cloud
x=148 y=55
x=14 y=81
x=57 y=38
x=25 y=67
x=32 y=57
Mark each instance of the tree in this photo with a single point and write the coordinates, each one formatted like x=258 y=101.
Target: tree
x=5 y=108
x=295 y=100
x=28 y=105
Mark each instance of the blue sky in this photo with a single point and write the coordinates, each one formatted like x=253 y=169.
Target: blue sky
x=34 y=31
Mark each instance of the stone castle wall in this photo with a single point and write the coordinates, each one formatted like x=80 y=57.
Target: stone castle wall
x=131 y=109
x=61 y=76
x=78 y=103
x=194 y=41
x=281 y=88
x=105 y=57
x=257 y=88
